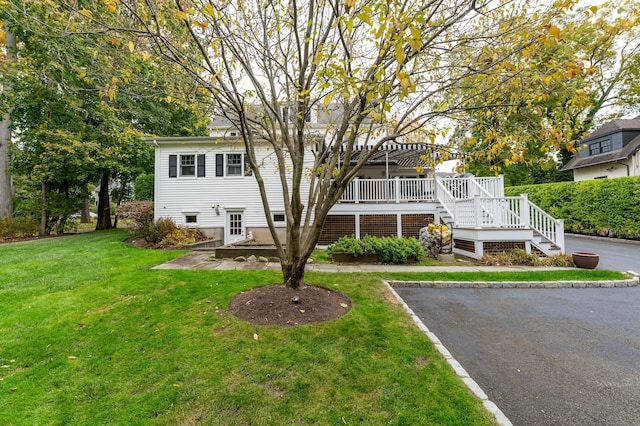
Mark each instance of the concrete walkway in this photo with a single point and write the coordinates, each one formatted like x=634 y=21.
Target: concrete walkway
x=203 y=260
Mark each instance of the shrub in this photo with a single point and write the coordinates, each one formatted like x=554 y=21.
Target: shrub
x=388 y=249
x=19 y=226
x=522 y=258
x=607 y=207
x=165 y=233
x=138 y=212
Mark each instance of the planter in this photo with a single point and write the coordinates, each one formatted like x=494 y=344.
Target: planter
x=342 y=257
x=349 y=258
x=585 y=260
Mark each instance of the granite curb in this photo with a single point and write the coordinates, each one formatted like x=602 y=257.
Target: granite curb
x=473 y=386
x=631 y=282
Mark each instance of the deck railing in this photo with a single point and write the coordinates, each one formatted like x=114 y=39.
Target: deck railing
x=505 y=212
x=470 y=201
x=396 y=190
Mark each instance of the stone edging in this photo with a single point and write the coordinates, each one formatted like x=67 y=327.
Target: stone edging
x=631 y=282
x=471 y=384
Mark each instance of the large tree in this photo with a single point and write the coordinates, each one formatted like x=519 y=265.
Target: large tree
x=381 y=61
x=7 y=56
x=81 y=103
x=564 y=89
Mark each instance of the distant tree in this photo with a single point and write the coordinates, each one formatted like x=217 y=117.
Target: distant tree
x=143 y=189
x=81 y=102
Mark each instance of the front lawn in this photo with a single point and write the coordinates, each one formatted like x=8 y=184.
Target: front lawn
x=89 y=334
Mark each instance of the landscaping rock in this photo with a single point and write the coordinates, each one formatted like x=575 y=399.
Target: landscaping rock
x=240 y=259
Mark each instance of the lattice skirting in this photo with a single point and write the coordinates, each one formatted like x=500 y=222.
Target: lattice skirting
x=497 y=247
x=337 y=226
x=465 y=245
x=378 y=225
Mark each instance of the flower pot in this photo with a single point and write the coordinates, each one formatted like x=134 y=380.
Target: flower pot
x=585 y=260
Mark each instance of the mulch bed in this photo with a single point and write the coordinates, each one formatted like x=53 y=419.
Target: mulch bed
x=273 y=305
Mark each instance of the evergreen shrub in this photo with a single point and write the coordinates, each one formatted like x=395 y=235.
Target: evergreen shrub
x=605 y=207
x=388 y=249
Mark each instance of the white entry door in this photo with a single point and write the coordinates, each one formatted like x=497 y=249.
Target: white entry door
x=235 y=227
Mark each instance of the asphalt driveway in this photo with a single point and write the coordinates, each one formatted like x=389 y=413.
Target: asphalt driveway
x=544 y=356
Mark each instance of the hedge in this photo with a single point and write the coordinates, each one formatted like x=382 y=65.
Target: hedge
x=606 y=207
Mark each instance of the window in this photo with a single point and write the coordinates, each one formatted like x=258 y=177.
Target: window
x=234 y=165
x=187 y=165
x=191 y=218
x=600 y=147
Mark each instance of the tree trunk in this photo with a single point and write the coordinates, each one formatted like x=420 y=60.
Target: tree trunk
x=6 y=186
x=123 y=185
x=85 y=214
x=44 y=212
x=104 y=204
x=293 y=272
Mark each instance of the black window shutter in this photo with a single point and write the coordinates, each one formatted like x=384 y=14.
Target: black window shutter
x=219 y=164
x=247 y=168
x=201 y=162
x=173 y=166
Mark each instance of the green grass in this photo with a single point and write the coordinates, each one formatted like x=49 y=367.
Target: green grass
x=89 y=334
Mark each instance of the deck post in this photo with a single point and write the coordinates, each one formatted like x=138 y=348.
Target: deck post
x=356 y=190
x=397 y=185
x=560 y=234
x=477 y=205
x=525 y=217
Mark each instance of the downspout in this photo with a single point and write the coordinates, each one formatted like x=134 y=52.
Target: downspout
x=626 y=165
x=156 y=181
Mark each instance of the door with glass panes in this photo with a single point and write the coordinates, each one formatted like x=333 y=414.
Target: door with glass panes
x=235 y=226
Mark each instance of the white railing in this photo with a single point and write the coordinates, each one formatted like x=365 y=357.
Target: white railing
x=458 y=187
x=471 y=202
x=494 y=186
x=446 y=198
x=550 y=228
x=395 y=190
x=504 y=212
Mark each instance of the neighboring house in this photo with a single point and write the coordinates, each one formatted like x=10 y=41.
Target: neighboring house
x=611 y=151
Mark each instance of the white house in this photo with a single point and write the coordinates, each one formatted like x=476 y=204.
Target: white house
x=611 y=151
x=204 y=182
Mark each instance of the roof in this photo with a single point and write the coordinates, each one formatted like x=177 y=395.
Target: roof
x=608 y=157
x=614 y=126
x=404 y=155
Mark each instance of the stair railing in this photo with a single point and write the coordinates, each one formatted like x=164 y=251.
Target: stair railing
x=542 y=222
x=446 y=199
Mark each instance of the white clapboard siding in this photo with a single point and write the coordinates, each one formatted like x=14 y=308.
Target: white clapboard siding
x=175 y=197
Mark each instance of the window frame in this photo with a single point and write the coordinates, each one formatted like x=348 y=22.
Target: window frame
x=192 y=166
x=239 y=166
x=187 y=215
x=282 y=222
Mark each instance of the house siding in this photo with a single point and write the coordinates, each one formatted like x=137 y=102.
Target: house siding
x=600 y=171
x=177 y=196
